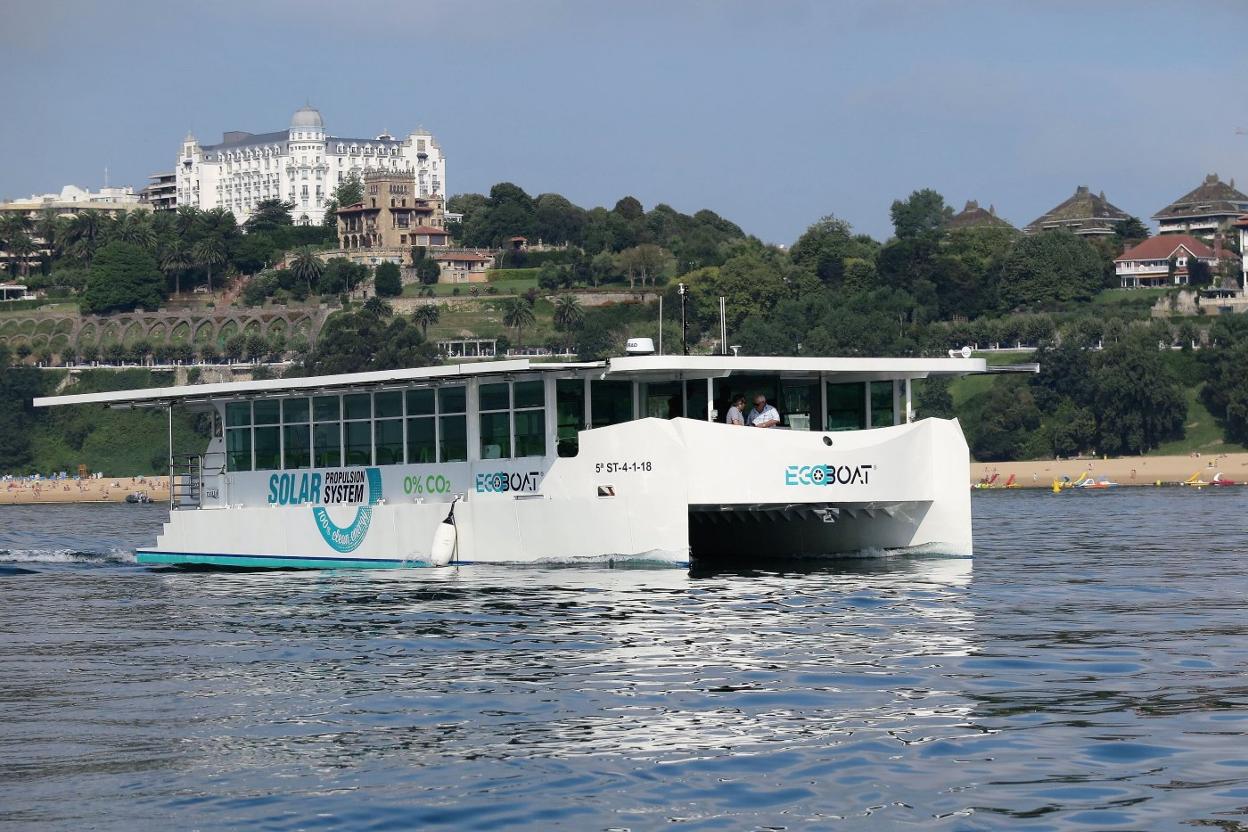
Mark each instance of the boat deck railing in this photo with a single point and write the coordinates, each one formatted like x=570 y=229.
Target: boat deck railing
x=186 y=481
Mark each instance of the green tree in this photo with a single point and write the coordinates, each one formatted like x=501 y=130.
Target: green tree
x=20 y=246
x=428 y=271
x=1138 y=401
x=556 y=220
x=1199 y=273
x=270 y=215
x=307 y=267
x=644 y=261
x=923 y=213
x=1130 y=230
x=824 y=246
x=209 y=253
x=426 y=315
x=254 y=252
x=360 y=341
x=1005 y=429
x=568 y=313
x=83 y=235
x=518 y=315
x=348 y=192
x=1226 y=391
x=1048 y=268
x=388 y=280
x=174 y=261
x=123 y=277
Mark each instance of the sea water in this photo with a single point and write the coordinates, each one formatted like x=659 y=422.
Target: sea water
x=1087 y=670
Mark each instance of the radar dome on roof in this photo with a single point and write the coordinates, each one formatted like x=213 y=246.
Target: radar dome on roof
x=307 y=117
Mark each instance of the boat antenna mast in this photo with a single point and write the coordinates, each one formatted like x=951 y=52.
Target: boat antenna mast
x=684 y=323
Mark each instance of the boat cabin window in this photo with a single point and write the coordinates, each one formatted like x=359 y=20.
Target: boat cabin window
x=296 y=435
x=570 y=415
x=881 y=404
x=663 y=399
x=357 y=429
x=388 y=428
x=512 y=419
x=846 y=406
x=327 y=432
x=238 y=436
x=610 y=402
x=452 y=424
x=797 y=399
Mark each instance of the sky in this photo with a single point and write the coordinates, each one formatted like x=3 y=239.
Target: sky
x=773 y=113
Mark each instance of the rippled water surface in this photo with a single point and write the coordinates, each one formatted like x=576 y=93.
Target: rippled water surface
x=1085 y=671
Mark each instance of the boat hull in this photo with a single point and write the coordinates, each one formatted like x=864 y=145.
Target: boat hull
x=662 y=492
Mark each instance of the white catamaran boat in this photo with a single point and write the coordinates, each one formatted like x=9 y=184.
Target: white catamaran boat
x=626 y=459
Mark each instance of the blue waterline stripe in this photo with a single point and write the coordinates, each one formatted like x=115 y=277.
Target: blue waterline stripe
x=274 y=561
x=297 y=562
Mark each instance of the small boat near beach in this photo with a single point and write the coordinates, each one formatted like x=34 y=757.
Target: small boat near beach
x=626 y=459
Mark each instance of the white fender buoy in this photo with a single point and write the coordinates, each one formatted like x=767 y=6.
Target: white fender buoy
x=445 y=537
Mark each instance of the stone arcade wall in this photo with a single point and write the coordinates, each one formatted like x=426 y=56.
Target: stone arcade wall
x=59 y=330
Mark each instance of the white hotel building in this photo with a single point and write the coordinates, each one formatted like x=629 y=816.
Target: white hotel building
x=301 y=165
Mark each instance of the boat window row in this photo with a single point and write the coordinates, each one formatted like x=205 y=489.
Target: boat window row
x=430 y=424
x=384 y=428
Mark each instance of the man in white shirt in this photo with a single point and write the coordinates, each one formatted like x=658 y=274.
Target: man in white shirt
x=763 y=415
x=736 y=412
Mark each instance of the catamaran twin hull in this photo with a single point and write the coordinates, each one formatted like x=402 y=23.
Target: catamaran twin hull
x=655 y=490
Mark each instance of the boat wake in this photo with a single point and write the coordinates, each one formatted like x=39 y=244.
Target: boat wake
x=10 y=557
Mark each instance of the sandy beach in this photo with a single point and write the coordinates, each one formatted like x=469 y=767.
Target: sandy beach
x=104 y=490
x=1136 y=470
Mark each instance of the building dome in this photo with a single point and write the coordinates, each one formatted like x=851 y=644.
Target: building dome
x=307 y=116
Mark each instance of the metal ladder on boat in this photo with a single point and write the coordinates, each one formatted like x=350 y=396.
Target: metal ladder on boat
x=187 y=476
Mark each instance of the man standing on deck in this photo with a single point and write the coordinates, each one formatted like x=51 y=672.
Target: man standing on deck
x=763 y=415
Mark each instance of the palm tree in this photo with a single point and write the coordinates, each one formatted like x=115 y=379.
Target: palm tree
x=518 y=314
x=83 y=235
x=186 y=218
x=14 y=236
x=378 y=308
x=135 y=228
x=51 y=230
x=425 y=315
x=176 y=260
x=20 y=246
x=307 y=266
x=209 y=252
x=568 y=313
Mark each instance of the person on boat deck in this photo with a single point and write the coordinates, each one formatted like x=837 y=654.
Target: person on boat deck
x=763 y=415
x=736 y=412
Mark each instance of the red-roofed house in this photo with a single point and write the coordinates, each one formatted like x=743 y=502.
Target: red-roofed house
x=461 y=266
x=1148 y=264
